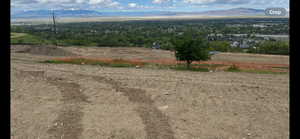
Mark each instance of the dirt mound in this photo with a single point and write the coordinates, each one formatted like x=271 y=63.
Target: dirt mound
x=46 y=50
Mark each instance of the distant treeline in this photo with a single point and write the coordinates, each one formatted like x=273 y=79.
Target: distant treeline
x=149 y=33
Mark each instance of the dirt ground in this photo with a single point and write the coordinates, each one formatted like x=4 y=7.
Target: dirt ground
x=64 y=101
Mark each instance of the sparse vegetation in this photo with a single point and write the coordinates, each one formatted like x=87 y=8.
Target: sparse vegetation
x=141 y=64
x=233 y=68
x=184 y=68
x=85 y=61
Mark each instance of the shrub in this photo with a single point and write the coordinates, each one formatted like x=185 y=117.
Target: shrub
x=233 y=68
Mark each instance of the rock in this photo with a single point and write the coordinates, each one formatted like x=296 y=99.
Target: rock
x=167 y=93
x=163 y=107
x=153 y=97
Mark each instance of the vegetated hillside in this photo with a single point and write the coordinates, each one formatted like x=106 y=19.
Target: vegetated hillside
x=159 y=33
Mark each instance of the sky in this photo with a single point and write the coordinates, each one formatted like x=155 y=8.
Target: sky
x=145 y=5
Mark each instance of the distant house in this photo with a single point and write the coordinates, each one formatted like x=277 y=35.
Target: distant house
x=213 y=52
x=155 y=45
x=180 y=33
x=259 y=25
x=235 y=44
x=244 y=44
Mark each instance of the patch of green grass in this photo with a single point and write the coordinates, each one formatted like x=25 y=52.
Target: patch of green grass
x=17 y=35
x=88 y=62
x=121 y=65
x=280 y=67
x=156 y=66
x=124 y=63
x=233 y=68
x=23 y=38
x=53 y=62
x=184 y=68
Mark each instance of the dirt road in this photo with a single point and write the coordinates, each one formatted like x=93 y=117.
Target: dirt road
x=63 y=101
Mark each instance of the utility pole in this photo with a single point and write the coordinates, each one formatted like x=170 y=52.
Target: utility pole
x=54 y=26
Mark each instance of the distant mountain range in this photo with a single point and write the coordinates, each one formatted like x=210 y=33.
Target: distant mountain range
x=91 y=13
x=59 y=13
x=235 y=12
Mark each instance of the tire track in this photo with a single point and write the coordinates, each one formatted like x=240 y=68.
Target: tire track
x=68 y=123
x=156 y=123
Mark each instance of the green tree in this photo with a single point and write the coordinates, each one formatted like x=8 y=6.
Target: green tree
x=273 y=47
x=222 y=46
x=191 y=48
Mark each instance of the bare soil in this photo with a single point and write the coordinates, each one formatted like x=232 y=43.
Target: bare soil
x=63 y=101
x=42 y=50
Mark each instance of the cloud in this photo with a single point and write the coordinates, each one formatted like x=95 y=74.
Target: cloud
x=79 y=1
x=142 y=5
x=216 y=1
x=103 y=2
x=54 y=1
x=50 y=4
x=132 y=5
x=160 y=1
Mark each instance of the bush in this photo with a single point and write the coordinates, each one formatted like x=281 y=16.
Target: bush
x=271 y=47
x=233 y=68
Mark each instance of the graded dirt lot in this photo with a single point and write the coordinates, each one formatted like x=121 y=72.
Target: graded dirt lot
x=64 y=101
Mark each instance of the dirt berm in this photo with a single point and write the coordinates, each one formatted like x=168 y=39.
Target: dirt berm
x=44 y=50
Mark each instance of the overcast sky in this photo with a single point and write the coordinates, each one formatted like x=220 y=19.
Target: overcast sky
x=145 y=5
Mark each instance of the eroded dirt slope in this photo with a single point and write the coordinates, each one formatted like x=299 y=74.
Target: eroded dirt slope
x=91 y=102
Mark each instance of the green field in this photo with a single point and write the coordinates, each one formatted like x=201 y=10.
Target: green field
x=24 y=38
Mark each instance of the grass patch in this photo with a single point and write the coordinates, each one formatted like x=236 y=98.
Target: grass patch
x=280 y=67
x=83 y=61
x=184 y=68
x=157 y=66
x=233 y=68
x=131 y=63
x=23 y=38
x=122 y=63
x=17 y=35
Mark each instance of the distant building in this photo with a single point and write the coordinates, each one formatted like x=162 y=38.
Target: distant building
x=155 y=45
x=259 y=25
x=244 y=44
x=180 y=33
x=235 y=44
x=213 y=52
